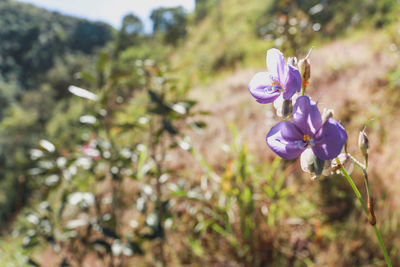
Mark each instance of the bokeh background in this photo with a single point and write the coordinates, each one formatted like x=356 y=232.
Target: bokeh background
x=128 y=136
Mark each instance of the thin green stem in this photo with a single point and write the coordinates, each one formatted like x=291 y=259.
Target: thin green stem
x=369 y=197
x=353 y=185
x=367 y=187
x=365 y=208
x=385 y=254
x=303 y=90
x=359 y=164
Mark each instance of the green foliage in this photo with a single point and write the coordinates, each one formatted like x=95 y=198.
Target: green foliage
x=41 y=54
x=202 y=8
x=223 y=40
x=293 y=24
x=82 y=181
x=169 y=23
x=131 y=32
x=232 y=33
x=33 y=38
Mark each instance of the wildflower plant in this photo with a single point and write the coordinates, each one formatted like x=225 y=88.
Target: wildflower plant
x=317 y=139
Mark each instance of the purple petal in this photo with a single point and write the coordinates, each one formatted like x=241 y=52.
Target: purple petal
x=306 y=116
x=284 y=139
x=260 y=86
x=329 y=140
x=292 y=83
x=276 y=63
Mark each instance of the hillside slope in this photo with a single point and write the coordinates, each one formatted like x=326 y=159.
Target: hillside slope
x=348 y=75
x=32 y=38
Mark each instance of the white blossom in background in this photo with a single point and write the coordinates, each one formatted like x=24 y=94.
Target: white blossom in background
x=82 y=93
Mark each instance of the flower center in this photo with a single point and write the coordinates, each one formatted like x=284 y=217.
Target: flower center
x=307 y=141
x=276 y=85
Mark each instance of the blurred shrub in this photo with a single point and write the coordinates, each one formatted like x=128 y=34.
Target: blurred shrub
x=169 y=23
x=293 y=24
x=131 y=32
x=123 y=139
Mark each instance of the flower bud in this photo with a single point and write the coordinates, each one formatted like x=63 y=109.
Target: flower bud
x=363 y=143
x=313 y=165
x=283 y=107
x=304 y=66
x=346 y=161
x=305 y=71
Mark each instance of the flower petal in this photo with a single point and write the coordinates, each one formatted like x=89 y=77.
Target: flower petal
x=306 y=160
x=329 y=140
x=284 y=139
x=276 y=63
x=292 y=83
x=306 y=116
x=259 y=85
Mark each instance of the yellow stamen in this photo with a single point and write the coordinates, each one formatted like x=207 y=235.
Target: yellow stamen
x=275 y=83
x=306 y=138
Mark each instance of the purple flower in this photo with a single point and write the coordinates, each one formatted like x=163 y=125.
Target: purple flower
x=267 y=86
x=290 y=139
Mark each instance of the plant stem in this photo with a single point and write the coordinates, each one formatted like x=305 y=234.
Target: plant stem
x=353 y=185
x=303 y=90
x=357 y=192
x=370 y=201
x=382 y=245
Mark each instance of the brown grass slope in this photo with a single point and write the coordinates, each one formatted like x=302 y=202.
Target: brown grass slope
x=350 y=76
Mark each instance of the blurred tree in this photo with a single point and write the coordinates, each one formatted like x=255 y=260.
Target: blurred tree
x=131 y=32
x=170 y=23
x=87 y=36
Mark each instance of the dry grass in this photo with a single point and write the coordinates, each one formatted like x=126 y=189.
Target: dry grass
x=347 y=75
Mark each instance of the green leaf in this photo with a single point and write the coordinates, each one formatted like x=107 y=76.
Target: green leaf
x=246 y=195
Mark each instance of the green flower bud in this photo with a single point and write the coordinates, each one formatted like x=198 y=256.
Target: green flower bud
x=363 y=143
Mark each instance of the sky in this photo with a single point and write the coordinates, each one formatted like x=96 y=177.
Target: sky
x=110 y=11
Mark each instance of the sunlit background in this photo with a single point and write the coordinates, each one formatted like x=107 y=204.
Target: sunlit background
x=128 y=136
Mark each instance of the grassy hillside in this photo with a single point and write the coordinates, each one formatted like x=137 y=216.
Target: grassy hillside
x=40 y=51
x=33 y=38
x=159 y=157
x=236 y=32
